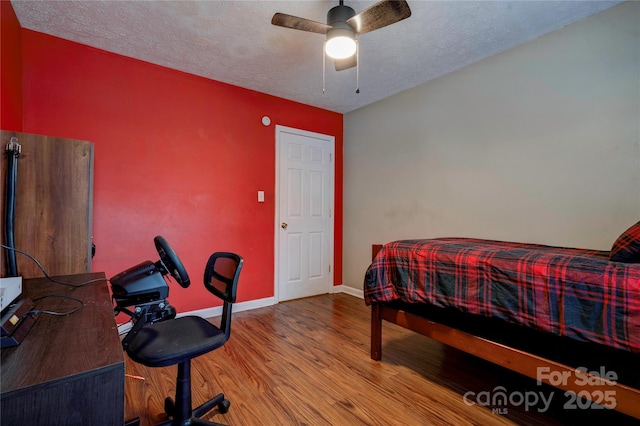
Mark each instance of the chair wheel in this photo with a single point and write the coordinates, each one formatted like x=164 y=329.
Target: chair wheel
x=223 y=407
x=169 y=406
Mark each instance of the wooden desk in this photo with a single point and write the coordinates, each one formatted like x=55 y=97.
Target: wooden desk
x=69 y=370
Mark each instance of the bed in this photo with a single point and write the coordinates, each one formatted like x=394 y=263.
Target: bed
x=566 y=317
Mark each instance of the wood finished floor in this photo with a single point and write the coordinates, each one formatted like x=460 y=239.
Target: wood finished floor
x=306 y=362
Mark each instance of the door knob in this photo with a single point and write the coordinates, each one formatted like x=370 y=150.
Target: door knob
x=284 y=225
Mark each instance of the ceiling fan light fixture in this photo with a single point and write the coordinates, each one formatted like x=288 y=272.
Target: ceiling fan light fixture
x=340 y=44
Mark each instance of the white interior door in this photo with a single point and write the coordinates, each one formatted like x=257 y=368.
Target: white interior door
x=304 y=217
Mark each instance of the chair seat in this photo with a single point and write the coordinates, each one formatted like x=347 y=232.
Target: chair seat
x=173 y=341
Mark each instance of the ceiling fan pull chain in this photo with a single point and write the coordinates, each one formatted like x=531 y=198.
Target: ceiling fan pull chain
x=323 y=65
x=357 y=67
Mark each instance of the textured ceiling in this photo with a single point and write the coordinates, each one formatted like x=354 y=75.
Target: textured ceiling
x=233 y=41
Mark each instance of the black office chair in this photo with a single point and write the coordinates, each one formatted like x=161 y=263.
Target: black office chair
x=179 y=340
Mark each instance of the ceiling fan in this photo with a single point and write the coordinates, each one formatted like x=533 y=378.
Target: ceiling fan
x=343 y=25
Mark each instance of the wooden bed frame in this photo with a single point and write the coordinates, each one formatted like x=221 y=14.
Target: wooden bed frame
x=627 y=398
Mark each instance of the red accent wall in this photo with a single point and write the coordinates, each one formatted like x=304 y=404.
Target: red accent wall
x=175 y=154
x=10 y=69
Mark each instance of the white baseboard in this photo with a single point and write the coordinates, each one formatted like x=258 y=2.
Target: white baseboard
x=212 y=312
x=246 y=306
x=349 y=290
x=237 y=307
x=124 y=327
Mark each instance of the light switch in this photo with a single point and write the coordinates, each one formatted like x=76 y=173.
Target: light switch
x=261 y=196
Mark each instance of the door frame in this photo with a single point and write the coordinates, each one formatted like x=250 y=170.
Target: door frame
x=332 y=184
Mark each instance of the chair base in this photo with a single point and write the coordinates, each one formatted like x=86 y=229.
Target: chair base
x=169 y=406
x=217 y=401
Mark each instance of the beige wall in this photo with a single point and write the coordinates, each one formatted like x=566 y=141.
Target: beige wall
x=538 y=144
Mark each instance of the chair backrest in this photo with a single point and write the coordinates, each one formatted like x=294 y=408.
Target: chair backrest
x=221 y=279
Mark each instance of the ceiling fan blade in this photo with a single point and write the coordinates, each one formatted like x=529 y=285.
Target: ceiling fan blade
x=346 y=63
x=290 y=21
x=380 y=15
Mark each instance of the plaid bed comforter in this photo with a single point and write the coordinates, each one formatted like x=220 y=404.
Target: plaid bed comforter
x=564 y=291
